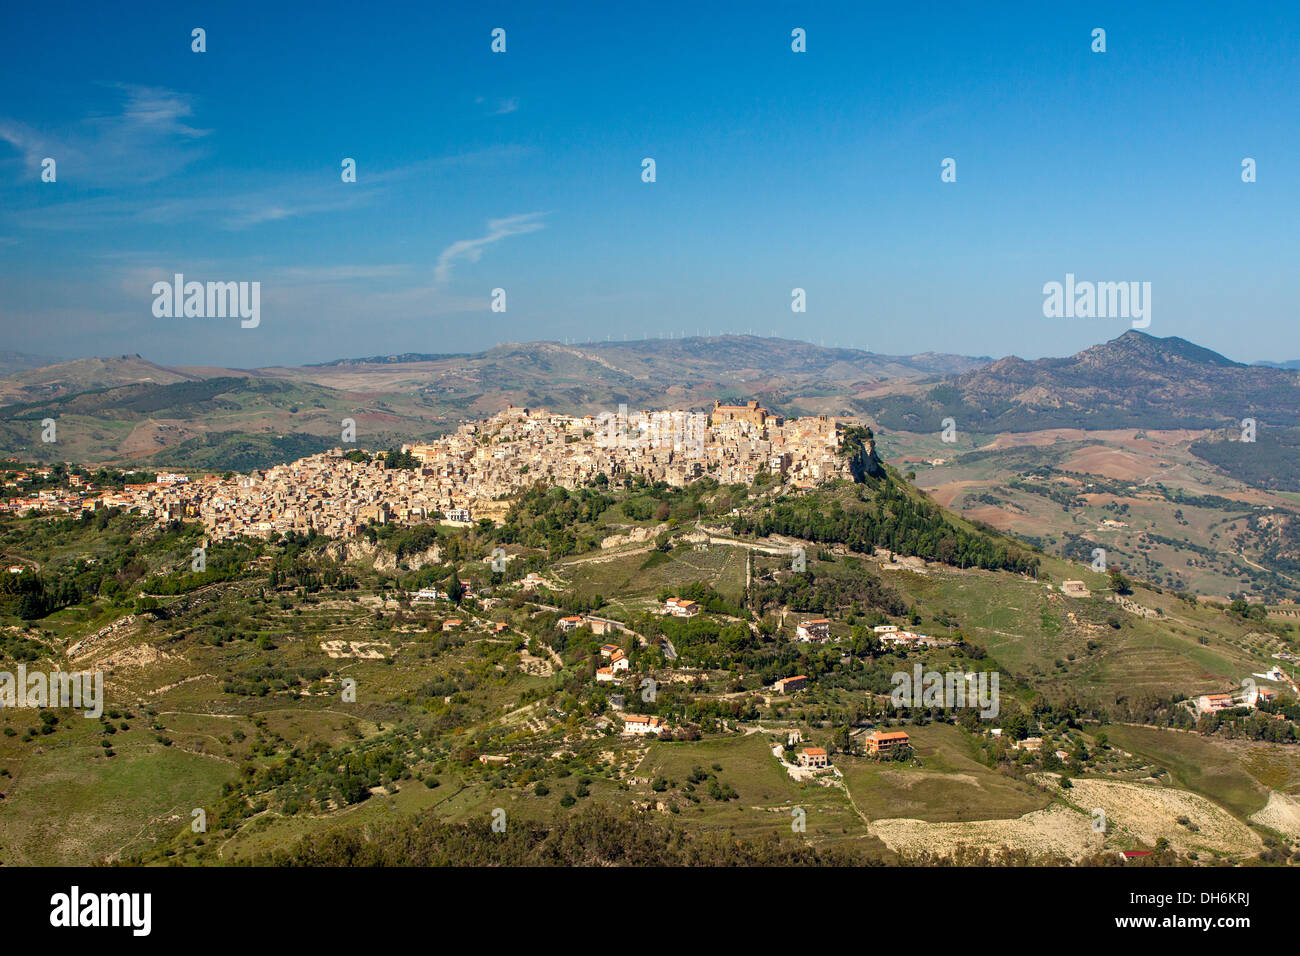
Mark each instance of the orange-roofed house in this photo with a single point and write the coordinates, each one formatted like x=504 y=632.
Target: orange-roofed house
x=788 y=685
x=1212 y=703
x=639 y=724
x=813 y=757
x=681 y=607
x=883 y=741
x=1261 y=695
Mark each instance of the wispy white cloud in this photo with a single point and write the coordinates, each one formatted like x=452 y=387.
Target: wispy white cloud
x=206 y=200
x=30 y=143
x=142 y=140
x=285 y=198
x=471 y=250
x=252 y=217
x=152 y=108
x=507 y=105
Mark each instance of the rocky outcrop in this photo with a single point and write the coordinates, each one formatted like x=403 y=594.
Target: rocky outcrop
x=860 y=449
x=377 y=556
x=635 y=536
x=87 y=644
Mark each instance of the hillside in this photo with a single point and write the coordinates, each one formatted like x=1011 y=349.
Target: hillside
x=228 y=690
x=1133 y=381
x=127 y=409
x=69 y=378
x=1134 y=446
x=218 y=422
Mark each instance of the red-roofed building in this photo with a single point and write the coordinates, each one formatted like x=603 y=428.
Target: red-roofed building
x=681 y=607
x=639 y=724
x=813 y=757
x=883 y=741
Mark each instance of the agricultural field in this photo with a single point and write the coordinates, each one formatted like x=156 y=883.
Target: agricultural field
x=295 y=688
x=1160 y=512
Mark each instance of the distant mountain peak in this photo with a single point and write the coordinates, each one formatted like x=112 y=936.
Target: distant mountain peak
x=1134 y=380
x=1169 y=348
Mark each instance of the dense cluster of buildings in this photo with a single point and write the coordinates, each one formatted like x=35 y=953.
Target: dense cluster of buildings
x=20 y=496
x=484 y=462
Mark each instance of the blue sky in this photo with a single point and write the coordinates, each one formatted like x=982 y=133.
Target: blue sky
x=522 y=170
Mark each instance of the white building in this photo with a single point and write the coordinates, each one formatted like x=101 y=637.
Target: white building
x=817 y=629
x=680 y=607
x=637 y=724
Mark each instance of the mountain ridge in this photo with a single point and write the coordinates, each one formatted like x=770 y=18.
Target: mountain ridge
x=1134 y=380
x=128 y=408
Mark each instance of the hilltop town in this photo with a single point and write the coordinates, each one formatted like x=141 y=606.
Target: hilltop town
x=683 y=618
x=464 y=474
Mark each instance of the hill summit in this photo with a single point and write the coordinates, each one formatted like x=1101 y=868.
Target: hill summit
x=1135 y=380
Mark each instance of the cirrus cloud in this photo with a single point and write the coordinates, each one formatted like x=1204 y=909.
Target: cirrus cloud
x=471 y=250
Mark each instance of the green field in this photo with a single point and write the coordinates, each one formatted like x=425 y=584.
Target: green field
x=944 y=783
x=1195 y=764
